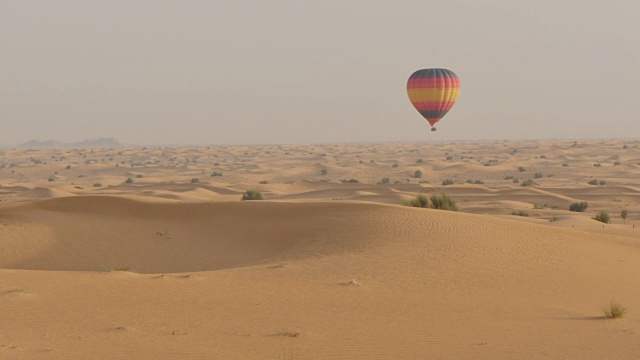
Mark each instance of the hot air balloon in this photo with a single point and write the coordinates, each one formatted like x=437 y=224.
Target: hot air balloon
x=433 y=93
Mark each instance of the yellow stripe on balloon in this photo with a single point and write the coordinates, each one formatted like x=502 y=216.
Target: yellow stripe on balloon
x=433 y=94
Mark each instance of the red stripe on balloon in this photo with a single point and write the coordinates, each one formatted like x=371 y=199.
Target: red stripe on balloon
x=433 y=105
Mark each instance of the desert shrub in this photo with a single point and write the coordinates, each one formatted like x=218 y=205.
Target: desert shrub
x=420 y=161
x=479 y=182
x=443 y=202
x=195 y=180
x=593 y=182
x=614 y=310
x=554 y=218
x=139 y=176
x=597 y=165
x=522 y=169
x=417 y=174
x=579 y=207
x=449 y=157
x=603 y=217
x=565 y=164
x=543 y=156
x=395 y=165
x=128 y=181
x=528 y=182
x=68 y=167
x=355 y=181
x=602 y=182
x=216 y=173
x=623 y=215
x=384 y=180
x=625 y=146
x=323 y=172
x=616 y=163
x=538 y=175
x=520 y=213
x=509 y=177
x=419 y=201
x=516 y=181
x=539 y=206
x=446 y=182
x=263 y=182
x=423 y=181
x=51 y=178
x=252 y=195
x=97 y=185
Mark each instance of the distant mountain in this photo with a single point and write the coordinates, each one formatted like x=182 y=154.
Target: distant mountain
x=89 y=143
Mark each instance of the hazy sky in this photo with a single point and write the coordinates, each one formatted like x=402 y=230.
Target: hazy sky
x=302 y=71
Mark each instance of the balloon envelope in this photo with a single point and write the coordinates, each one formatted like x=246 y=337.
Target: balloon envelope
x=433 y=92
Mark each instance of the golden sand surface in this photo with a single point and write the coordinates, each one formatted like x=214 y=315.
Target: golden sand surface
x=150 y=253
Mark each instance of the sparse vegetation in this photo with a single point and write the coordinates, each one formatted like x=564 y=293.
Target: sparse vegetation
x=519 y=213
x=614 y=310
x=384 y=180
x=97 y=185
x=603 y=217
x=565 y=164
x=579 y=207
x=109 y=268
x=528 y=182
x=538 y=175
x=395 y=165
x=252 y=195
x=522 y=169
x=128 y=181
x=323 y=172
x=443 y=202
x=215 y=173
x=419 y=201
x=195 y=180
x=417 y=174
x=446 y=182
x=623 y=215
x=616 y=163
x=355 y=181
x=539 y=206
x=263 y=182
x=554 y=218
x=509 y=177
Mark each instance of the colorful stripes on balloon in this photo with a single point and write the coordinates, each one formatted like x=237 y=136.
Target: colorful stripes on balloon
x=433 y=92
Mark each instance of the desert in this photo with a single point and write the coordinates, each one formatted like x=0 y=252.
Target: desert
x=151 y=253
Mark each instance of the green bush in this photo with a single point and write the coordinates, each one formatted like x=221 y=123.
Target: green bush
x=603 y=217
x=443 y=202
x=538 y=175
x=529 y=182
x=579 y=207
x=419 y=201
x=623 y=215
x=252 y=195
x=520 y=213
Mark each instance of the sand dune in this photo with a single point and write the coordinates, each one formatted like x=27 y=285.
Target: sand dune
x=324 y=268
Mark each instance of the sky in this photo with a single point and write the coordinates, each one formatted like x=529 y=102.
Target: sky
x=216 y=72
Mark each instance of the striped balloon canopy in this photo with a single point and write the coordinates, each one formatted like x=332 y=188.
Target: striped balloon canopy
x=433 y=92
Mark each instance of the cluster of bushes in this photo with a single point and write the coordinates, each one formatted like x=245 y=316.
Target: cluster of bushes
x=579 y=207
x=446 y=182
x=597 y=182
x=441 y=202
x=520 y=213
x=252 y=195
